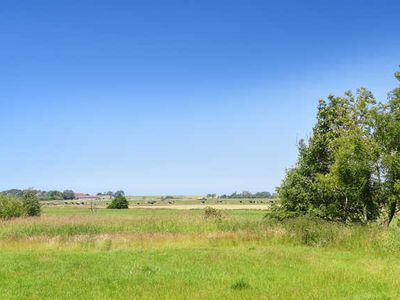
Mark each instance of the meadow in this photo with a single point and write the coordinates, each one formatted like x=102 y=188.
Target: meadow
x=71 y=253
x=175 y=202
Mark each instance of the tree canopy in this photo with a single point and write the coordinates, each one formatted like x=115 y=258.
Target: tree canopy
x=349 y=169
x=119 y=202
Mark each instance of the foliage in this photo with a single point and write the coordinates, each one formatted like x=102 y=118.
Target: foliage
x=212 y=213
x=53 y=195
x=119 y=194
x=30 y=204
x=349 y=170
x=119 y=202
x=10 y=207
x=244 y=195
x=13 y=192
x=68 y=195
x=41 y=195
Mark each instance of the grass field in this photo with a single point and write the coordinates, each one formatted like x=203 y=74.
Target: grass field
x=68 y=253
x=175 y=202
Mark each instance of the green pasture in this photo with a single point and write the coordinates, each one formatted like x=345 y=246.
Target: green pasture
x=70 y=253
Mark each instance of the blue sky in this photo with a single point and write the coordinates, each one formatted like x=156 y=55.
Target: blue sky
x=177 y=97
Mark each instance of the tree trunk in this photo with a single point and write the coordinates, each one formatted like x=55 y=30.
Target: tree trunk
x=392 y=212
x=345 y=207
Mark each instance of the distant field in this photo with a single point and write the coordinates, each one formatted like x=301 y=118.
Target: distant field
x=177 y=202
x=70 y=253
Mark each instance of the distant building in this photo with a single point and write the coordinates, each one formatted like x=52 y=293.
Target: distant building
x=104 y=197
x=82 y=196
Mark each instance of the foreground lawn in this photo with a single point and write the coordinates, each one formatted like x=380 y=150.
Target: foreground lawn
x=180 y=255
x=223 y=272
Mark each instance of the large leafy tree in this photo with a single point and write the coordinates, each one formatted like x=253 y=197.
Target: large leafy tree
x=349 y=169
x=388 y=137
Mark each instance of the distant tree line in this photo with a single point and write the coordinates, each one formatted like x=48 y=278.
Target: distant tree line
x=349 y=169
x=42 y=195
x=54 y=194
x=243 y=195
x=112 y=194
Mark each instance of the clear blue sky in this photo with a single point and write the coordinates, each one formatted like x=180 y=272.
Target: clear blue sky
x=177 y=97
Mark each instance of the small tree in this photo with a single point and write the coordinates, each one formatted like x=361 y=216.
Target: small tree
x=55 y=195
x=119 y=202
x=30 y=204
x=10 y=207
x=119 y=194
x=68 y=195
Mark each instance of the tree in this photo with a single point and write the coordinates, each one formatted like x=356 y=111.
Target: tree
x=55 y=195
x=109 y=193
x=68 y=195
x=13 y=192
x=119 y=202
x=119 y=194
x=10 y=207
x=388 y=137
x=262 y=195
x=30 y=203
x=349 y=170
x=335 y=174
x=349 y=185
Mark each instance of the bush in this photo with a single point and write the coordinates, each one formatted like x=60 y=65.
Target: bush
x=281 y=215
x=309 y=230
x=10 y=207
x=119 y=202
x=212 y=213
x=312 y=231
x=30 y=204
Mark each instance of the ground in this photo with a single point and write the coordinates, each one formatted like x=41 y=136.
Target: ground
x=70 y=253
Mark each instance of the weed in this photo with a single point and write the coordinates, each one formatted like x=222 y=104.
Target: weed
x=240 y=284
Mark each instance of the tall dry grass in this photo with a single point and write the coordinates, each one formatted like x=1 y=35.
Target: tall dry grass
x=189 y=228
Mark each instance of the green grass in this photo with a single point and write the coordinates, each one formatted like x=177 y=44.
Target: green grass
x=169 y=254
x=64 y=211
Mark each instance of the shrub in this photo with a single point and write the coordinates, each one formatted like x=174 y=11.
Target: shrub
x=10 y=207
x=281 y=215
x=119 y=202
x=312 y=231
x=212 y=213
x=30 y=204
x=309 y=232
